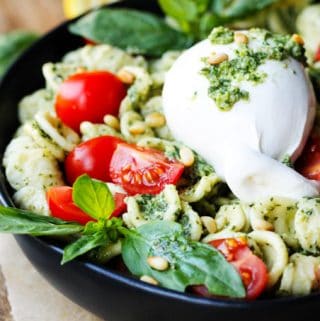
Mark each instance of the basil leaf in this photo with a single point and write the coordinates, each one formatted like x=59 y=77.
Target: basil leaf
x=83 y=245
x=191 y=263
x=93 y=197
x=136 y=31
x=239 y=8
x=180 y=9
x=17 y=221
x=11 y=45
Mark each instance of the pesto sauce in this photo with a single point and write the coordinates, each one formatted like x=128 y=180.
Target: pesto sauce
x=221 y=35
x=152 y=207
x=225 y=77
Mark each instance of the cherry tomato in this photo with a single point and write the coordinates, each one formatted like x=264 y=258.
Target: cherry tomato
x=91 y=157
x=252 y=269
x=317 y=55
x=61 y=205
x=309 y=162
x=141 y=170
x=89 y=96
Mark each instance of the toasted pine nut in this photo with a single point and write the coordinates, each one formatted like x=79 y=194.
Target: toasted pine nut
x=149 y=279
x=209 y=223
x=138 y=128
x=298 y=39
x=217 y=58
x=126 y=77
x=112 y=121
x=81 y=69
x=158 y=263
x=186 y=156
x=240 y=38
x=155 y=120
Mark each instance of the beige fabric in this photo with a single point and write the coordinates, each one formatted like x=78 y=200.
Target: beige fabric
x=30 y=296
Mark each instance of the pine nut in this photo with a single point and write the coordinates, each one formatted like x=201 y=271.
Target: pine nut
x=126 y=77
x=209 y=223
x=155 y=120
x=112 y=121
x=149 y=279
x=241 y=38
x=138 y=128
x=298 y=39
x=186 y=156
x=218 y=58
x=158 y=263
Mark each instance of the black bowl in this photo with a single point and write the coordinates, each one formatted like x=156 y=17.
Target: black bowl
x=102 y=290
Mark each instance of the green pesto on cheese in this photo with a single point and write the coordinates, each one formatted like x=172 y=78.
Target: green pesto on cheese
x=225 y=77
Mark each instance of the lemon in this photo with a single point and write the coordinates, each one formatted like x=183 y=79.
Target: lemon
x=74 y=8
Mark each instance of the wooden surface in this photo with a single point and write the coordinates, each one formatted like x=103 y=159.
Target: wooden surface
x=35 y=15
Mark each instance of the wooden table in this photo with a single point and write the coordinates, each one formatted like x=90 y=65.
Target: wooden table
x=35 y=15
x=24 y=294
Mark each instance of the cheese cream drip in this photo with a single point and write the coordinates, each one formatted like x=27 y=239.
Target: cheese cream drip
x=244 y=102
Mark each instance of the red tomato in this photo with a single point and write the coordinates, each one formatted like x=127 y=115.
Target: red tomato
x=317 y=55
x=89 y=96
x=91 y=157
x=309 y=162
x=252 y=269
x=89 y=42
x=143 y=171
x=61 y=205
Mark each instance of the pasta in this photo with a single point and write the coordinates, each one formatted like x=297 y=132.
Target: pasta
x=273 y=228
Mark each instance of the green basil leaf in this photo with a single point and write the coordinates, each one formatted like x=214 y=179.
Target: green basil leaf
x=17 y=221
x=11 y=45
x=136 y=31
x=93 y=197
x=83 y=245
x=191 y=263
x=239 y=8
x=180 y=9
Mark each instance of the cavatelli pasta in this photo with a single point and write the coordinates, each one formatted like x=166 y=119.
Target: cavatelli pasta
x=275 y=253
x=49 y=133
x=190 y=222
x=41 y=100
x=301 y=275
x=232 y=217
x=103 y=57
x=31 y=165
x=145 y=208
x=90 y=130
x=159 y=67
x=307 y=224
x=33 y=199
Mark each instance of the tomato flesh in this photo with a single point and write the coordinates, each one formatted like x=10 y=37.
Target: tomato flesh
x=62 y=206
x=317 y=55
x=141 y=170
x=251 y=268
x=89 y=96
x=91 y=157
x=309 y=162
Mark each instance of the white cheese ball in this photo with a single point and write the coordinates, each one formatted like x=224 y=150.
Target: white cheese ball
x=273 y=123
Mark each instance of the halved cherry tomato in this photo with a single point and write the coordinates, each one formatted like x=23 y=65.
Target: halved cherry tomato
x=143 y=171
x=61 y=205
x=91 y=157
x=89 y=96
x=309 y=162
x=252 y=269
x=317 y=55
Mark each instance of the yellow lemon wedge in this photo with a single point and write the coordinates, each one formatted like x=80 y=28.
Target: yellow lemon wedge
x=74 y=8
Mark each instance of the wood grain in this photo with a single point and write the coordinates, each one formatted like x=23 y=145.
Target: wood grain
x=35 y=15
x=5 y=308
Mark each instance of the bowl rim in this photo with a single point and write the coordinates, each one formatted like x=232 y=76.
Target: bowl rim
x=118 y=277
